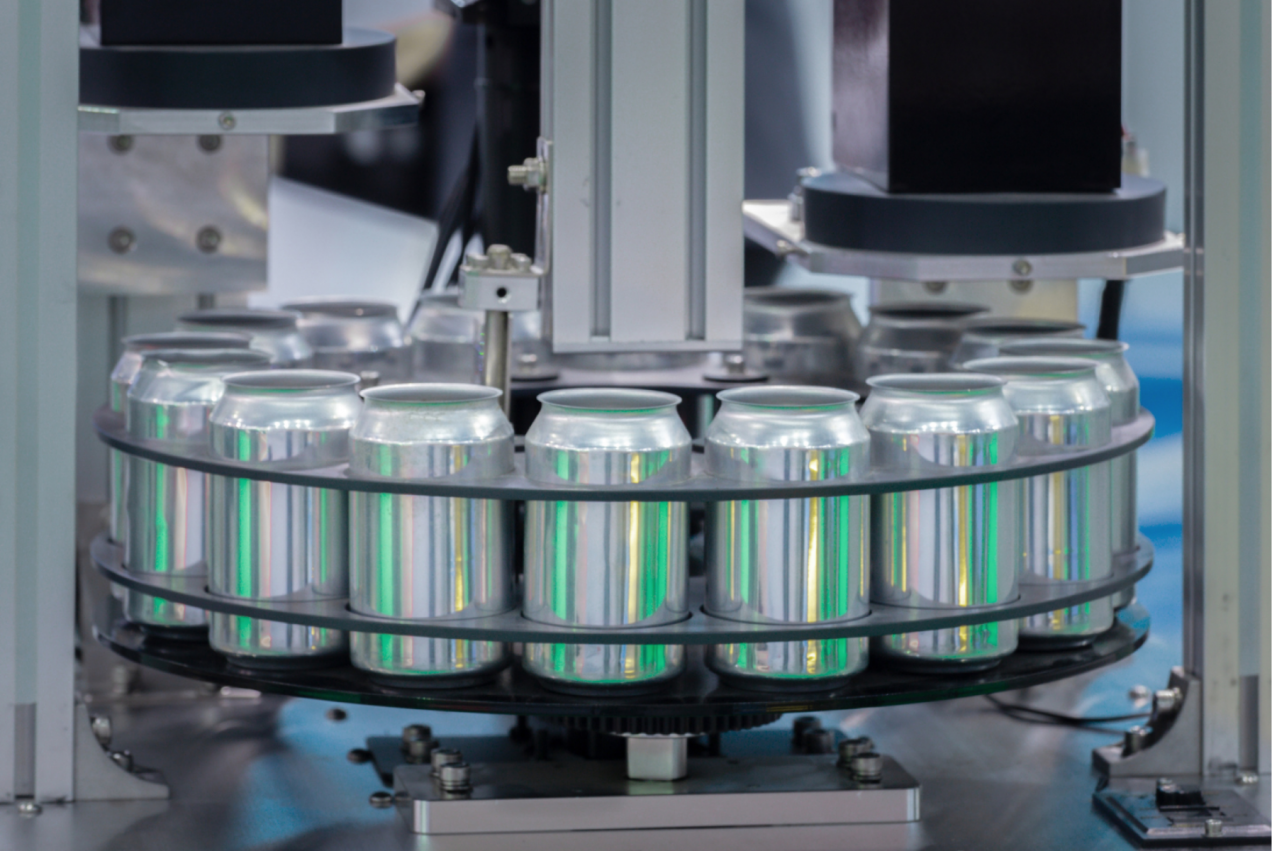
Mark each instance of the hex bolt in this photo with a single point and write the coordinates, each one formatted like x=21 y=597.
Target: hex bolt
x=381 y=799
x=522 y=262
x=819 y=741
x=867 y=767
x=500 y=256
x=1247 y=778
x=209 y=144
x=121 y=144
x=455 y=777
x=444 y=756
x=531 y=174
x=358 y=756
x=208 y=239
x=1214 y=828
x=935 y=287
x=29 y=809
x=1022 y=267
x=1139 y=694
x=848 y=748
x=227 y=121
x=1134 y=739
x=121 y=240
x=1167 y=701
x=101 y=730
x=734 y=363
x=123 y=759
x=419 y=751
x=477 y=261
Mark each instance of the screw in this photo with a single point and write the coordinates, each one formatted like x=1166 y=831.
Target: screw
x=381 y=799
x=500 y=256
x=531 y=174
x=866 y=767
x=1133 y=740
x=455 y=777
x=935 y=287
x=1167 y=701
x=522 y=262
x=1139 y=694
x=819 y=741
x=226 y=120
x=1214 y=827
x=210 y=144
x=358 y=756
x=29 y=809
x=121 y=240
x=848 y=748
x=101 y=730
x=444 y=756
x=335 y=713
x=123 y=759
x=1247 y=778
x=121 y=144
x=1021 y=287
x=419 y=750
x=208 y=239
x=1022 y=267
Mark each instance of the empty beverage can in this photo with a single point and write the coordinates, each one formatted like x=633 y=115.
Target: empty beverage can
x=273 y=331
x=983 y=335
x=606 y=564
x=789 y=560
x=1061 y=407
x=446 y=340
x=169 y=401
x=425 y=557
x=1123 y=389
x=352 y=335
x=270 y=541
x=944 y=547
x=912 y=336
x=801 y=335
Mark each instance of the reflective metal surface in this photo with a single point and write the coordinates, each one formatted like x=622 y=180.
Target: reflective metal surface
x=355 y=336
x=911 y=337
x=947 y=546
x=1061 y=405
x=606 y=563
x=982 y=337
x=794 y=560
x=445 y=340
x=272 y=331
x=169 y=400
x=269 y=541
x=419 y=557
x=804 y=335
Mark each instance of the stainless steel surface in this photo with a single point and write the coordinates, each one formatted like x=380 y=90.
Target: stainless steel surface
x=802 y=335
x=911 y=337
x=1060 y=405
x=126 y=369
x=144 y=200
x=770 y=224
x=496 y=357
x=606 y=564
x=663 y=758
x=983 y=336
x=948 y=546
x=399 y=109
x=272 y=331
x=445 y=339
x=269 y=541
x=500 y=279
x=170 y=400
x=790 y=561
x=353 y=335
x=419 y=557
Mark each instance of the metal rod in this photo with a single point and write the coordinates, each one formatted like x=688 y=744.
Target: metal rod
x=496 y=370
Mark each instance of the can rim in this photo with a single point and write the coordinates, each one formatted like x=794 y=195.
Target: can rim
x=186 y=340
x=422 y=393
x=1065 y=347
x=999 y=326
x=789 y=397
x=794 y=297
x=206 y=357
x=924 y=313
x=228 y=317
x=1033 y=368
x=289 y=380
x=339 y=307
x=618 y=400
x=938 y=383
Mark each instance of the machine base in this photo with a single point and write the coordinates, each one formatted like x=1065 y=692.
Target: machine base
x=1216 y=818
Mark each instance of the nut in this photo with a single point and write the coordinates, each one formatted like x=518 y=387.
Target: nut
x=381 y=800
x=455 y=777
x=848 y=748
x=866 y=767
x=500 y=257
x=121 y=240
x=444 y=756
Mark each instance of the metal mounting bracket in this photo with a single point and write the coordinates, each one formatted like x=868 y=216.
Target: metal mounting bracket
x=105 y=775
x=1170 y=743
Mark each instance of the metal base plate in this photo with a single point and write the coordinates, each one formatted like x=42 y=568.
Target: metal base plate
x=575 y=794
x=1137 y=814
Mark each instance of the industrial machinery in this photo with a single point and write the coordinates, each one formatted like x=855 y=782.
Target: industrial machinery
x=597 y=521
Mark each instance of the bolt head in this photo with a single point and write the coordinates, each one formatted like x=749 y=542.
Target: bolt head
x=121 y=240
x=227 y=121
x=477 y=261
x=209 y=144
x=522 y=262
x=101 y=729
x=121 y=144
x=208 y=240
x=848 y=748
x=381 y=799
x=867 y=767
x=444 y=756
x=500 y=256
x=1022 y=267
x=335 y=713
x=455 y=776
x=1214 y=827
x=29 y=809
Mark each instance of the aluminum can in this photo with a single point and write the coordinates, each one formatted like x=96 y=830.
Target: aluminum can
x=446 y=340
x=611 y=564
x=353 y=335
x=1123 y=389
x=804 y=336
x=912 y=336
x=944 y=547
x=1061 y=407
x=983 y=335
x=272 y=331
x=126 y=369
x=271 y=541
x=169 y=401
x=422 y=557
x=789 y=560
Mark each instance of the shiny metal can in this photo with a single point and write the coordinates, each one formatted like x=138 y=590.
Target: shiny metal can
x=422 y=557
x=606 y=564
x=353 y=335
x=169 y=401
x=269 y=541
x=983 y=335
x=446 y=340
x=789 y=560
x=273 y=331
x=1061 y=407
x=126 y=369
x=956 y=547
x=1123 y=389
x=912 y=336
x=799 y=335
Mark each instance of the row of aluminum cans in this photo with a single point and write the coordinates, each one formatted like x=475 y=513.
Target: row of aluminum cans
x=622 y=564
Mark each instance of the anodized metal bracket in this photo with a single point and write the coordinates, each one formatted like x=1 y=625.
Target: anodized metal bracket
x=1170 y=743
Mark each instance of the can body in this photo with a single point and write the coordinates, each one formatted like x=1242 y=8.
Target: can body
x=944 y=547
x=789 y=560
x=270 y=541
x=612 y=564
x=911 y=337
x=420 y=557
x=1061 y=407
x=169 y=401
x=274 y=332
x=355 y=336
x=799 y=335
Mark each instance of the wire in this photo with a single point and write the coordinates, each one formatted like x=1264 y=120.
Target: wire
x=1033 y=715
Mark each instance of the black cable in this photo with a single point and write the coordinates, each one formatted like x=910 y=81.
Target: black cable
x=1111 y=310
x=1033 y=715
